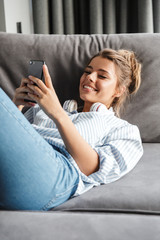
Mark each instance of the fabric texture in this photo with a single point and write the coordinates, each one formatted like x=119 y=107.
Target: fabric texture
x=117 y=142
x=138 y=191
x=33 y=175
x=78 y=225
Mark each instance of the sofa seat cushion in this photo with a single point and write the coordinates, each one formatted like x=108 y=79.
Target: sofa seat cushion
x=138 y=191
x=90 y=226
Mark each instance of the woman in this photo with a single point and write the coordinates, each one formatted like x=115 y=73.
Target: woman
x=65 y=152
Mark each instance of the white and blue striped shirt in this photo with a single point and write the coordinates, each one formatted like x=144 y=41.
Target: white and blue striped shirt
x=117 y=142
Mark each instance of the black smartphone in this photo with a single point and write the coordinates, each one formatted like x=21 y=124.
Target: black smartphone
x=35 y=69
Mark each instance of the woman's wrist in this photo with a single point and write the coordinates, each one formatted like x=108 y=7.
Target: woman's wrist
x=59 y=117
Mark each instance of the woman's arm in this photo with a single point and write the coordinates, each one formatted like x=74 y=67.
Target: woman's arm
x=44 y=94
x=86 y=158
x=120 y=152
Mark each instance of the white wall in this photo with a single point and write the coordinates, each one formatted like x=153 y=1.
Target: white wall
x=18 y=11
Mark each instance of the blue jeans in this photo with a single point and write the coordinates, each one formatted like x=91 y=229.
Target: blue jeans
x=33 y=175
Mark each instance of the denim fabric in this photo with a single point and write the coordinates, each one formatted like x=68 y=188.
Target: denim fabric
x=33 y=175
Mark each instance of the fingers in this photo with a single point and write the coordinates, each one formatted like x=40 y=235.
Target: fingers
x=24 y=82
x=34 y=90
x=34 y=97
x=21 y=93
x=20 y=99
x=40 y=84
x=35 y=81
x=47 y=77
x=24 y=89
x=22 y=96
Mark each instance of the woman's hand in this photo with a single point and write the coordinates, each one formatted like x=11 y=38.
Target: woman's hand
x=21 y=94
x=45 y=95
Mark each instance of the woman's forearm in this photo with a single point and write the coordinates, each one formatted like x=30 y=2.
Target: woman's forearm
x=44 y=94
x=86 y=158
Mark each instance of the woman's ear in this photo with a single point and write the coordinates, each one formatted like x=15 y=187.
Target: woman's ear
x=120 y=91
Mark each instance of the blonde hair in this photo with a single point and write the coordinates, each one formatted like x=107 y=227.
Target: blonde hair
x=129 y=74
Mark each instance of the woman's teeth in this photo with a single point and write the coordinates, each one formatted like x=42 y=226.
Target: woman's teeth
x=89 y=88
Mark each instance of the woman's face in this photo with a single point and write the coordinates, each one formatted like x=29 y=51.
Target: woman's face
x=98 y=83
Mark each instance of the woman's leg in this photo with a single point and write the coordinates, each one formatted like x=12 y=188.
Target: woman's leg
x=33 y=176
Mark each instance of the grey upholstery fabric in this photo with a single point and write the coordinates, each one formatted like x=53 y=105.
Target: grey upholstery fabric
x=139 y=191
x=66 y=56
x=78 y=226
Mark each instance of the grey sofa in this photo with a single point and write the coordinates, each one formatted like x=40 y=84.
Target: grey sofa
x=126 y=209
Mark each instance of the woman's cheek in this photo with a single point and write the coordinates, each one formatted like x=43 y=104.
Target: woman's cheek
x=82 y=78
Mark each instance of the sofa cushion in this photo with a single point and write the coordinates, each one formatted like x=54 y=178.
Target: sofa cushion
x=66 y=56
x=138 y=191
x=90 y=226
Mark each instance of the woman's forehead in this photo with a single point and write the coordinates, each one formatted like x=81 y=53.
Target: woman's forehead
x=104 y=64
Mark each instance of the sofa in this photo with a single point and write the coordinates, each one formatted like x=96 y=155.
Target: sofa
x=125 y=209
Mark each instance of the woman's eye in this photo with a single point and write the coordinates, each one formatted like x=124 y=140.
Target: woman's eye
x=102 y=77
x=87 y=72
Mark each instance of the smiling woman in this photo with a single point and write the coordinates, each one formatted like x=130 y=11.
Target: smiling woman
x=99 y=83
x=71 y=151
x=113 y=75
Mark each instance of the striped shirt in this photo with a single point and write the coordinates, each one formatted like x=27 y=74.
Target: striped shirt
x=117 y=142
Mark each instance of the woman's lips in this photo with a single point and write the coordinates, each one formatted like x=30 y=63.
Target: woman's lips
x=87 y=87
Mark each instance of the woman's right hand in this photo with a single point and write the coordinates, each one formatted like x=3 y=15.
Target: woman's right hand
x=21 y=94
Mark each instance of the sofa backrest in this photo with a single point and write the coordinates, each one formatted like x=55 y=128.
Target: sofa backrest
x=66 y=57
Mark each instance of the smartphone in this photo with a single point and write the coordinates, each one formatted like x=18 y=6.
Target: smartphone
x=35 y=69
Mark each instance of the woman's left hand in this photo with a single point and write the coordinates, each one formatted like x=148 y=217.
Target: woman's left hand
x=45 y=95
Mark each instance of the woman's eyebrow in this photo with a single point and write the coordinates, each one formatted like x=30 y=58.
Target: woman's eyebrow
x=102 y=70
x=89 y=67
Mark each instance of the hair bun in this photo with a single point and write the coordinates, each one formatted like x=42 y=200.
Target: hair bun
x=135 y=67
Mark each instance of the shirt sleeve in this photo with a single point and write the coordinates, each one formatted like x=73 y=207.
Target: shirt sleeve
x=31 y=112
x=121 y=151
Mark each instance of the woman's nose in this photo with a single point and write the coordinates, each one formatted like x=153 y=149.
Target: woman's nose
x=92 y=77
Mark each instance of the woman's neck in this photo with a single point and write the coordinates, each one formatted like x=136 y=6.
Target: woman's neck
x=86 y=107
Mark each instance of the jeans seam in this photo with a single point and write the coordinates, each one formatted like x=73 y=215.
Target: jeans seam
x=60 y=194
x=57 y=196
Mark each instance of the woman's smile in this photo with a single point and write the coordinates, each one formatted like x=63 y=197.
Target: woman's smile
x=98 y=83
x=89 y=88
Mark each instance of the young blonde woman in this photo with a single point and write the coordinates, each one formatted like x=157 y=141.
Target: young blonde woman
x=54 y=153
